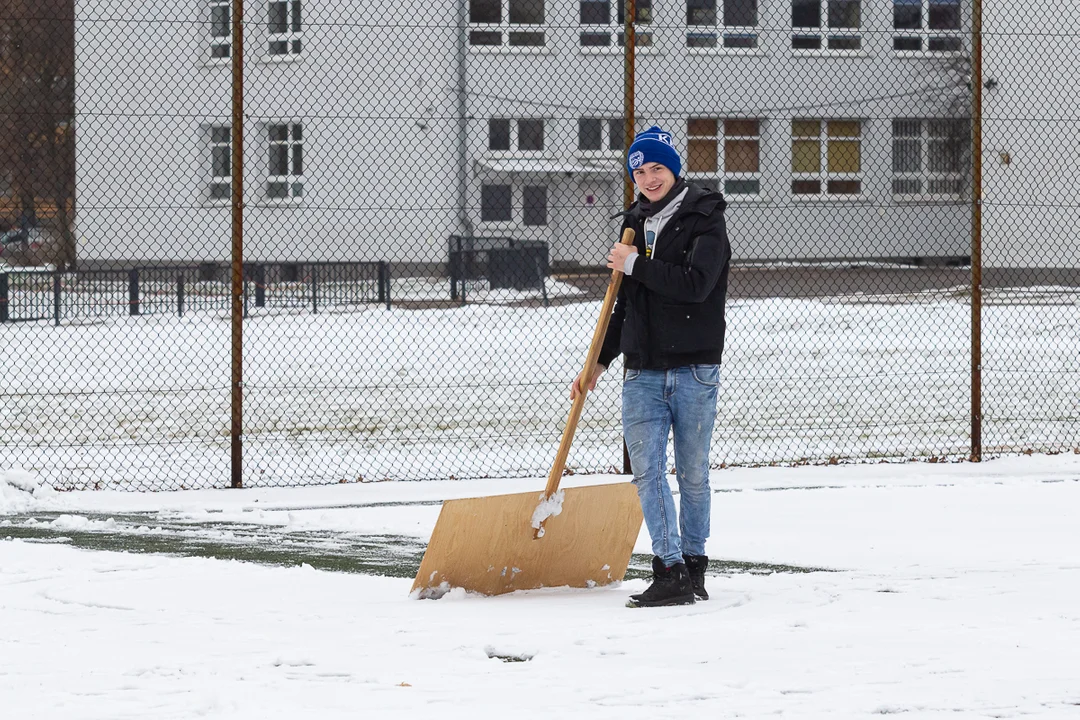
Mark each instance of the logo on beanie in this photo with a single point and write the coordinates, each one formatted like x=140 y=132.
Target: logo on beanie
x=664 y=138
x=636 y=159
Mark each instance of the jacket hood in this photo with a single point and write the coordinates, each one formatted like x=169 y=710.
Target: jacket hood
x=698 y=199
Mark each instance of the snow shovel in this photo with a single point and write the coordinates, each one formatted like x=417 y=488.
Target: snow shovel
x=580 y=537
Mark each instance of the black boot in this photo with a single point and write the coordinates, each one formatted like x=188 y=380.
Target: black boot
x=670 y=586
x=696 y=566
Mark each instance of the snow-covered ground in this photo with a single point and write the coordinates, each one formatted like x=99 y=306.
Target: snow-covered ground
x=481 y=390
x=941 y=591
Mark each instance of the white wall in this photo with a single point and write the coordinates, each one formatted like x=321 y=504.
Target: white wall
x=147 y=93
x=1031 y=135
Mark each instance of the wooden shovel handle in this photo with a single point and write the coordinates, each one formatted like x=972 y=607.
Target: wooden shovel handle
x=590 y=363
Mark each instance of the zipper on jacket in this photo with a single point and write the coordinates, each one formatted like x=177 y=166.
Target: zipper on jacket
x=690 y=254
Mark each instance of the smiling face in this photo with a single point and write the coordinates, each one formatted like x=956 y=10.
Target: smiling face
x=653 y=180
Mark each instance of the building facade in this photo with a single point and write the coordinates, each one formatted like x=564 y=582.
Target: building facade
x=1031 y=135
x=837 y=129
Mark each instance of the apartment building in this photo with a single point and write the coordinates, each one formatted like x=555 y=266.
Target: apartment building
x=835 y=128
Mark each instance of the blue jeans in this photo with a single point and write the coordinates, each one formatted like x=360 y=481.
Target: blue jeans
x=654 y=402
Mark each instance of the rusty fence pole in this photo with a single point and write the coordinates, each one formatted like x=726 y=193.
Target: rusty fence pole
x=976 y=232
x=236 y=429
x=629 y=58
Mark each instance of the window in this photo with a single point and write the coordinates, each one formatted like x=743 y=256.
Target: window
x=498 y=134
x=530 y=136
x=927 y=25
x=592 y=131
x=523 y=135
x=220 y=28
x=534 y=205
x=220 y=162
x=826 y=157
x=497 y=204
x=284 y=28
x=826 y=24
x=728 y=150
x=286 y=176
x=600 y=28
x=722 y=23
x=506 y=23
x=929 y=158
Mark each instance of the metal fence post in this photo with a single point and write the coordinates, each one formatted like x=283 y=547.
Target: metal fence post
x=5 y=314
x=57 y=290
x=381 y=288
x=455 y=265
x=386 y=282
x=236 y=425
x=259 y=278
x=976 y=233
x=180 y=293
x=133 y=291
x=315 y=289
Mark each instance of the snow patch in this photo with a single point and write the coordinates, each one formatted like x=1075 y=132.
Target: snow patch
x=79 y=522
x=508 y=655
x=21 y=491
x=548 y=507
x=442 y=591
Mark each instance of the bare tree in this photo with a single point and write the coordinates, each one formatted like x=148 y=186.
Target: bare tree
x=37 y=107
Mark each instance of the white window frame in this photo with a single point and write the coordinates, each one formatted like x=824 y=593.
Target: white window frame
x=515 y=138
x=925 y=175
x=722 y=34
x=610 y=129
x=293 y=35
x=220 y=50
x=517 y=206
x=613 y=29
x=293 y=181
x=218 y=181
x=826 y=35
x=924 y=34
x=721 y=175
x=508 y=30
x=823 y=175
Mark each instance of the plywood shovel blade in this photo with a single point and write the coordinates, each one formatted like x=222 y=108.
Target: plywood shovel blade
x=487 y=545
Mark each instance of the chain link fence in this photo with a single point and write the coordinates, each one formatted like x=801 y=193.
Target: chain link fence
x=284 y=242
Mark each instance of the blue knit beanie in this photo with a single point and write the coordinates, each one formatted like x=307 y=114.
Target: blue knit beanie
x=653 y=145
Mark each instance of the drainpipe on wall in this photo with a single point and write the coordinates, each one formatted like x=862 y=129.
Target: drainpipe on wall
x=629 y=57
x=464 y=221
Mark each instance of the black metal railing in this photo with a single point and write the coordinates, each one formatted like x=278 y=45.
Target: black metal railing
x=30 y=295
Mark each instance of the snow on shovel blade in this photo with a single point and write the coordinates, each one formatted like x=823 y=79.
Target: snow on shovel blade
x=488 y=545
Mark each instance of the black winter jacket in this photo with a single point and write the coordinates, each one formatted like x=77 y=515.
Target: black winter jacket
x=670 y=312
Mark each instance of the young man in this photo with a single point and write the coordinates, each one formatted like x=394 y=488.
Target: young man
x=668 y=322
